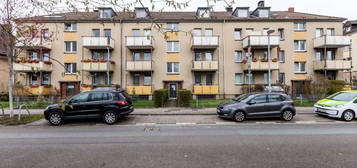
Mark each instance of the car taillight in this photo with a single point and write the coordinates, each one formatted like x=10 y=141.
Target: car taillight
x=122 y=102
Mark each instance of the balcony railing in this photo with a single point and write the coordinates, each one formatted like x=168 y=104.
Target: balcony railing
x=205 y=65
x=332 y=41
x=261 y=65
x=139 y=66
x=34 y=43
x=139 y=42
x=33 y=67
x=205 y=42
x=92 y=42
x=97 y=66
x=260 y=41
x=332 y=65
x=205 y=89
x=139 y=90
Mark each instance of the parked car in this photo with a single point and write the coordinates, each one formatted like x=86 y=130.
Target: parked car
x=341 y=105
x=258 y=105
x=109 y=104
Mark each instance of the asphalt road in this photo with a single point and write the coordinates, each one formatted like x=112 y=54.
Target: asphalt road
x=199 y=146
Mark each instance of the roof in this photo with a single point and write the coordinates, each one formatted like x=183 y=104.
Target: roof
x=179 y=16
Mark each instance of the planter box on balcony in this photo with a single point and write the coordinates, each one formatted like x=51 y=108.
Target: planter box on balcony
x=98 y=42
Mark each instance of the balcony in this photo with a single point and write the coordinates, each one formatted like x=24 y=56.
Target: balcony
x=205 y=66
x=205 y=42
x=332 y=41
x=33 y=66
x=98 y=42
x=205 y=89
x=332 y=65
x=260 y=41
x=36 y=42
x=137 y=66
x=139 y=42
x=139 y=90
x=261 y=66
x=97 y=66
x=43 y=90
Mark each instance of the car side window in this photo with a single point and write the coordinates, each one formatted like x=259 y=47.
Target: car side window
x=274 y=98
x=107 y=96
x=260 y=99
x=96 y=97
x=83 y=97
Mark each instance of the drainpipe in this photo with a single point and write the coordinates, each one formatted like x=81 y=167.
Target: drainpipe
x=224 y=91
x=121 y=53
x=108 y=63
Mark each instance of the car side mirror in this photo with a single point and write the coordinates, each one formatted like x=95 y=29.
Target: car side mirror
x=252 y=102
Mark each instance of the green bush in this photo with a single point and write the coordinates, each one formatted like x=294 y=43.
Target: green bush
x=334 y=86
x=184 y=98
x=160 y=97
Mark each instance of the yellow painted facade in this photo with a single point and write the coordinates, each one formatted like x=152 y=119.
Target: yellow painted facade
x=300 y=35
x=173 y=77
x=300 y=77
x=70 y=58
x=300 y=57
x=70 y=36
x=70 y=78
x=172 y=36
x=40 y=90
x=172 y=57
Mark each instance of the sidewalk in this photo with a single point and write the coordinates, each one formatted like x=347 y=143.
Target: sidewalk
x=172 y=111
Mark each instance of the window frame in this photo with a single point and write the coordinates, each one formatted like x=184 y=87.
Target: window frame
x=72 y=45
x=235 y=34
x=172 y=46
x=241 y=78
x=298 y=44
x=236 y=56
x=171 y=27
x=281 y=56
x=71 y=28
x=300 y=67
x=299 y=28
x=70 y=68
x=171 y=70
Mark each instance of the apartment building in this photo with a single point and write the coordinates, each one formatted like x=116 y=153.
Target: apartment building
x=215 y=54
x=4 y=68
x=350 y=29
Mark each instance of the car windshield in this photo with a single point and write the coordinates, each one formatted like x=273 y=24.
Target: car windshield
x=343 y=96
x=243 y=98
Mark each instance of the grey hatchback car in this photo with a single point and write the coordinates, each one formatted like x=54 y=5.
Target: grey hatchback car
x=258 y=105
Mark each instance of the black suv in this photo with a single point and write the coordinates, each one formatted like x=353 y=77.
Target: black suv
x=107 y=103
x=258 y=105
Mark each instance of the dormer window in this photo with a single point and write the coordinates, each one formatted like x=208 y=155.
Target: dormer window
x=241 y=12
x=203 y=12
x=141 y=12
x=264 y=12
x=106 y=13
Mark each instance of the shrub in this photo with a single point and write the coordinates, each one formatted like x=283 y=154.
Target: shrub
x=160 y=97
x=334 y=86
x=184 y=98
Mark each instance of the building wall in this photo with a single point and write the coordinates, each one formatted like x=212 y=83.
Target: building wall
x=4 y=73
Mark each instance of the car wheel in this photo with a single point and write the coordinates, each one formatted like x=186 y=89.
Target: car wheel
x=239 y=116
x=348 y=115
x=287 y=115
x=110 y=117
x=55 y=118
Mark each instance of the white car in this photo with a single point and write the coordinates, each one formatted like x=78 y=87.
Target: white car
x=339 y=105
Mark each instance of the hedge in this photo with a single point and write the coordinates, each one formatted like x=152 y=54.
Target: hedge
x=160 y=97
x=335 y=86
x=184 y=98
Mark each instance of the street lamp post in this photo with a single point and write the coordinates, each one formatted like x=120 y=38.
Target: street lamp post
x=269 y=59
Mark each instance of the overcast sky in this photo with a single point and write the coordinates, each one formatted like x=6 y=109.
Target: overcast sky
x=340 y=8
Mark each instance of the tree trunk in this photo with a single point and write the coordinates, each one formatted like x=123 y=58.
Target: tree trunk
x=10 y=59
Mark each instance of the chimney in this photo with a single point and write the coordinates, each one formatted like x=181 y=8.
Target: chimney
x=229 y=9
x=261 y=4
x=291 y=9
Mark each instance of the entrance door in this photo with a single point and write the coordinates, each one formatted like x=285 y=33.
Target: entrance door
x=173 y=90
x=69 y=89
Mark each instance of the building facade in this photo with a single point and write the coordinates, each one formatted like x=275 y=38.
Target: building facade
x=350 y=29
x=214 y=54
x=4 y=68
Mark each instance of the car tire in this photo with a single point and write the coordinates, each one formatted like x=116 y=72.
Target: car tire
x=287 y=115
x=55 y=118
x=239 y=116
x=110 y=117
x=348 y=116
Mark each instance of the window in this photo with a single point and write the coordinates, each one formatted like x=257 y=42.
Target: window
x=299 y=67
x=141 y=13
x=105 y=13
x=173 y=27
x=45 y=79
x=208 y=56
x=173 y=46
x=70 y=89
x=319 y=55
x=249 y=30
x=299 y=26
x=300 y=45
x=106 y=79
x=34 y=79
x=95 y=79
x=331 y=75
x=209 y=79
x=242 y=12
x=265 y=31
x=319 y=32
x=136 y=80
x=281 y=56
x=34 y=55
x=198 y=79
x=135 y=32
x=239 y=78
x=249 y=79
x=45 y=34
x=260 y=99
x=147 y=56
x=173 y=67
x=265 y=55
x=147 y=32
x=197 y=32
x=107 y=32
x=282 y=77
x=96 y=96
x=95 y=32
x=281 y=34
x=136 y=56
x=147 y=80
x=204 y=12
x=238 y=56
x=71 y=46
x=70 y=27
x=208 y=32
x=237 y=34
x=330 y=32
x=330 y=55
x=266 y=78
x=83 y=97
x=274 y=98
x=71 y=68
x=263 y=13
x=46 y=56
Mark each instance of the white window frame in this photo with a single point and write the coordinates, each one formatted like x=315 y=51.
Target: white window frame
x=298 y=44
x=236 y=56
x=300 y=26
x=236 y=32
x=71 y=69
x=172 y=68
x=172 y=27
x=281 y=56
x=147 y=80
x=71 y=28
x=299 y=70
x=246 y=78
x=264 y=13
x=72 y=48
x=170 y=46
x=281 y=34
x=241 y=78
